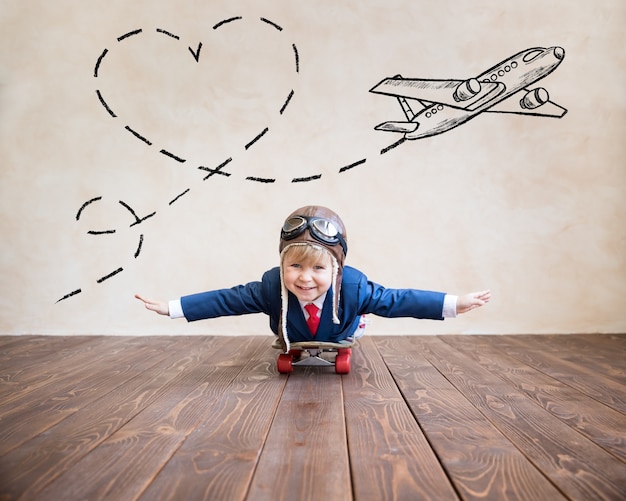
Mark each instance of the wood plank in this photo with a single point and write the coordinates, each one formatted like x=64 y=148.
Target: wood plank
x=93 y=417
x=218 y=458
x=595 y=344
x=62 y=365
x=576 y=375
x=23 y=365
x=389 y=456
x=588 y=351
x=15 y=346
x=609 y=345
x=8 y=340
x=123 y=466
x=305 y=455
x=602 y=425
x=62 y=396
x=578 y=467
x=480 y=460
x=42 y=459
x=23 y=353
x=32 y=350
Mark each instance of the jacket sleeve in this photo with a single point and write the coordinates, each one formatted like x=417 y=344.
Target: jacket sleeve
x=253 y=297
x=376 y=299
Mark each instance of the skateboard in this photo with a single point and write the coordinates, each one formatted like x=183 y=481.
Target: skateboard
x=309 y=353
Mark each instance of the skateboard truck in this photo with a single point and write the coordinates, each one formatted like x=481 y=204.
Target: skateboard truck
x=313 y=350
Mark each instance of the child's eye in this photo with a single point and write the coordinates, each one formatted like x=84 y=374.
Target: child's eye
x=295 y=265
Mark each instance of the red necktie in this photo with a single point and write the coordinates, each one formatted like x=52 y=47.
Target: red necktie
x=313 y=321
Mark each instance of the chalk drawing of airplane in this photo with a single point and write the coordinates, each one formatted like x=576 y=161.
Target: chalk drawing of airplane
x=446 y=104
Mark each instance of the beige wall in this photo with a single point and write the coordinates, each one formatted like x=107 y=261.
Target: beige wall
x=530 y=207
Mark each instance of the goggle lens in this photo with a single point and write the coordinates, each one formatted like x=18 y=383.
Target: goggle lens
x=293 y=224
x=325 y=228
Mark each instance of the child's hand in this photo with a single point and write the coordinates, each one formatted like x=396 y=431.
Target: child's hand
x=472 y=300
x=160 y=307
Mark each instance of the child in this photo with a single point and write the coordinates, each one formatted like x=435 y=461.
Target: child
x=313 y=247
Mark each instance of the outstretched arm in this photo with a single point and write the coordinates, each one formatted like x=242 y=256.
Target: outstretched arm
x=160 y=307
x=472 y=300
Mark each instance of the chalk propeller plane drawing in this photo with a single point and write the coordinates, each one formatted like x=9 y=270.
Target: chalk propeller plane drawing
x=446 y=104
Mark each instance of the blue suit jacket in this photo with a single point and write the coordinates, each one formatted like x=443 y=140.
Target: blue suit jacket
x=359 y=296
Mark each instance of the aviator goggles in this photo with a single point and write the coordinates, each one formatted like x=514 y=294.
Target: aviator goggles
x=322 y=230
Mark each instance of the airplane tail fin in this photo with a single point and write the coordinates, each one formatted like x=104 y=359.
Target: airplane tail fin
x=402 y=127
x=404 y=103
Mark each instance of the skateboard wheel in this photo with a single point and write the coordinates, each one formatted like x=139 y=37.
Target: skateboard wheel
x=347 y=351
x=342 y=363
x=284 y=363
x=296 y=354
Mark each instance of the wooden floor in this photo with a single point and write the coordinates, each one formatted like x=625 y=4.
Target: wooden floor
x=420 y=417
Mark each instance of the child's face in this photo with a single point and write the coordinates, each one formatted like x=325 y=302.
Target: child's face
x=308 y=280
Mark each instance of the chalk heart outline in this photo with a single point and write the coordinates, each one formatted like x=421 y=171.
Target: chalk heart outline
x=243 y=75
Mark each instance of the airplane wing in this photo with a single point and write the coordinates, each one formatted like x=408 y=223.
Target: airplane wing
x=512 y=104
x=463 y=94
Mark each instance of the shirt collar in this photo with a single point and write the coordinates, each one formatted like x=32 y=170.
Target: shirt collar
x=319 y=302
